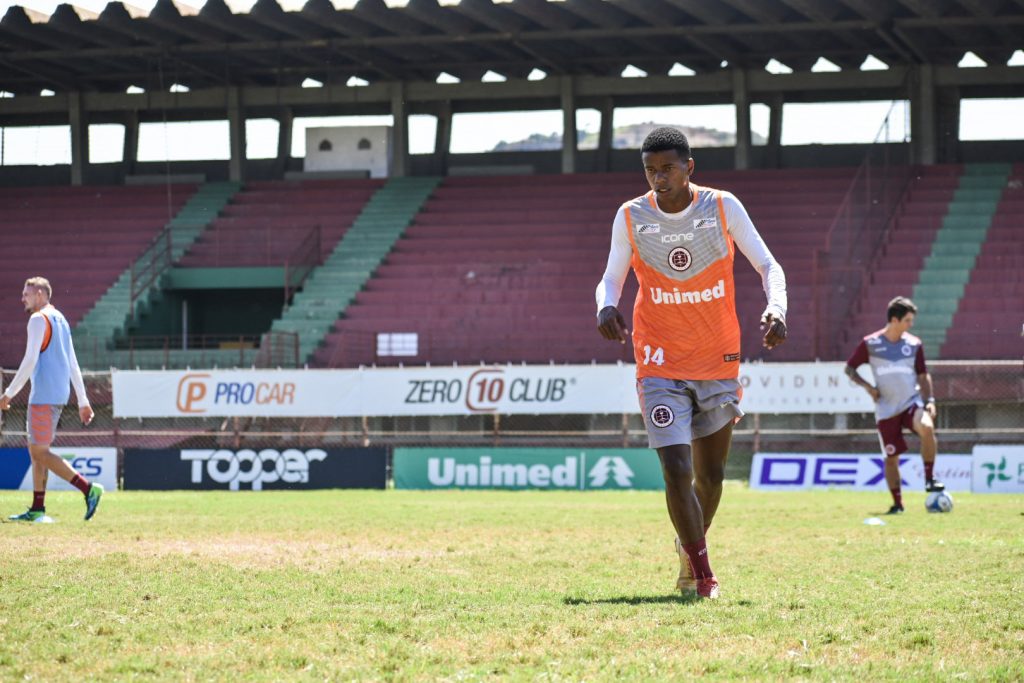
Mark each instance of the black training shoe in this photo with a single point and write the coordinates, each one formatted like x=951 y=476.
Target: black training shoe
x=932 y=485
x=895 y=510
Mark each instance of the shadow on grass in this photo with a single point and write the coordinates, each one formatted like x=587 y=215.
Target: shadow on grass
x=633 y=600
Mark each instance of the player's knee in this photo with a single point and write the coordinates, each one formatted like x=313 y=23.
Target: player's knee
x=677 y=469
x=711 y=476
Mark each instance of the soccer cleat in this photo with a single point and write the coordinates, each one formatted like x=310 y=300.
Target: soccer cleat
x=932 y=485
x=37 y=516
x=686 y=583
x=707 y=588
x=895 y=510
x=92 y=500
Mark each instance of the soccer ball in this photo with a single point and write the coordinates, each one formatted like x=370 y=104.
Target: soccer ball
x=938 y=501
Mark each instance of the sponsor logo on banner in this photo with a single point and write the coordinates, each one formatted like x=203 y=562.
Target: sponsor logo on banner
x=95 y=464
x=473 y=390
x=485 y=389
x=250 y=467
x=199 y=393
x=526 y=468
x=791 y=471
x=256 y=470
x=801 y=388
x=999 y=468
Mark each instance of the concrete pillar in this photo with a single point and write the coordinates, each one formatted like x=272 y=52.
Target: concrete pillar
x=399 y=132
x=443 y=136
x=131 y=141
x=236 y=126
x=741 y=99
x=286 y=121
x=948 y=125
x=79 y=137
x=923 y=138
x=774 y=151
x=606 y=135
x=568 y=125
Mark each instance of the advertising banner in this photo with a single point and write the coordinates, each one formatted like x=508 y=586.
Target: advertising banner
x=999 y=468
x=526 y=468
x=796 y=471
x=95 y=464
x=469 y=390
x=221 y=469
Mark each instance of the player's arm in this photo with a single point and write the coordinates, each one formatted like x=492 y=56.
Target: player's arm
x=924 y=381
x=773 y=278
x=610 y=322
x=33 y=346
x=859 y=357
x=84 y=409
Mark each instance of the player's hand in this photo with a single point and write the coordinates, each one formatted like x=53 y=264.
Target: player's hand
x=611 y=324
x=86 y=414
x=5 y=402
x=930 y=408
x=875 y=394
x=775 y=329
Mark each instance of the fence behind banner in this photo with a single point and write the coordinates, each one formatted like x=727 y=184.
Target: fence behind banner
x=978 y=403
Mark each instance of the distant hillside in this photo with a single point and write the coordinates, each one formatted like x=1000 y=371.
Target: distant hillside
x=626 y=137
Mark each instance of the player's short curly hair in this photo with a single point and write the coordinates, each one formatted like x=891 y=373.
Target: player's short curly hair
x=663 y=139
x=899 y=307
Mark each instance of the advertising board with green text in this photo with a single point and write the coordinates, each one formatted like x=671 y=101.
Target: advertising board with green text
x=527 y=468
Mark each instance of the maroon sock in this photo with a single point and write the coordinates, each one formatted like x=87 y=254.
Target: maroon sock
x=39 y=500
x=80 y=483
x=897 y=497
x=698 y=554
x=929 y=468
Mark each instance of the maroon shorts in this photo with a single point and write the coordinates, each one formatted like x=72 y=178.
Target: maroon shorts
x=890 y=431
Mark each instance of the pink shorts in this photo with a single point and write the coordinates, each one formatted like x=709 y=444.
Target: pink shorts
x=890 y=431
x=42 y=424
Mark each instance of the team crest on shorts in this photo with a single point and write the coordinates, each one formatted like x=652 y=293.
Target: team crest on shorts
x=679 y=259
x=662 y=415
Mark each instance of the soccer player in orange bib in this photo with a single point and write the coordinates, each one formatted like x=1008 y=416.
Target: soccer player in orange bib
x=680 y=239
x=51 y=364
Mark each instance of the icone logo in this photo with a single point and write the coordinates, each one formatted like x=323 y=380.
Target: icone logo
x=193 y=390
x=677 y=237
x=486 y=389
x=267 y=466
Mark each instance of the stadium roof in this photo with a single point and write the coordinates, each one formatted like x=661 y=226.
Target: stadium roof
x=74 y=50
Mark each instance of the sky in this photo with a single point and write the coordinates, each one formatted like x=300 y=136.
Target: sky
x=855 y=122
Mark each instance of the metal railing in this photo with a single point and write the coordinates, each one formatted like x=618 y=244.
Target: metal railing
x=978 y=402
x=148 y=268
x=264 y=246
x=141 y=347
x=858 y=232
x=278 y=350
x=301 y=262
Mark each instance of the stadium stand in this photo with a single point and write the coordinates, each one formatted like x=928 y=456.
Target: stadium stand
x=954 y=248
x=265 y=222
x=106 y=321
x=941 y=282
x=987 y=324
x=81 y=239
x=512 y=264
x=909 y=243
x=331 y=287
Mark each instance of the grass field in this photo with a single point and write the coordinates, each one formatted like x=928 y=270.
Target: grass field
x=465 y=586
